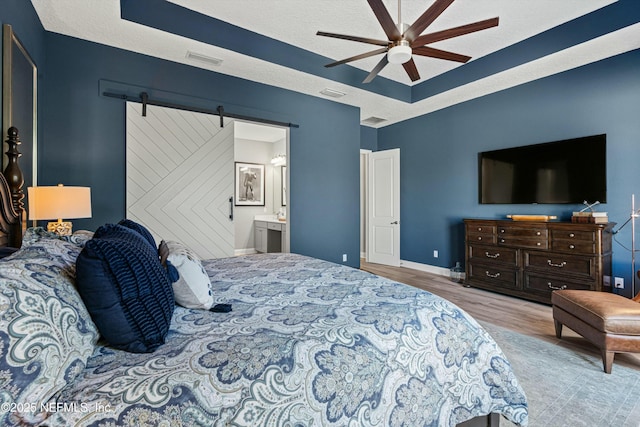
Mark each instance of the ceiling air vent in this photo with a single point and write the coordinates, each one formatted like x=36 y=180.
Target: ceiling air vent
x=373 y=121
x=332 y=93
x=204 y=58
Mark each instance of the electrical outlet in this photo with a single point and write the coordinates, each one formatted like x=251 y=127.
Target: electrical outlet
x=606 y=281
x=435 y=254
x=344 y=257
x=619 y=283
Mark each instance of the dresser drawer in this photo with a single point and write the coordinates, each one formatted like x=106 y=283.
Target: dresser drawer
x=553 y=263
x=493 y=255
x=481 y=228
x=495 y=275
x=523 y=242
x=531 y=237
x=573 y=235
x=577 y=246
x=481 y=233
x=545 y=285
x=274 y=226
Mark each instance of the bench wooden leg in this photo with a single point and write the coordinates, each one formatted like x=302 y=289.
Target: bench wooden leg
x=558 y=326
x=607 y=360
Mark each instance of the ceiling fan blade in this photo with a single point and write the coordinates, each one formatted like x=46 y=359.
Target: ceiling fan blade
x=355 y=58
x=412 y=71
x=389 y=27
x=383 y=62
x=455 y=32
x=440 y=54
x=353 y=38
x=426 y=19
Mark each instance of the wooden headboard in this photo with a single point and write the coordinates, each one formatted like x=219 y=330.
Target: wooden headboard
x=12 y=213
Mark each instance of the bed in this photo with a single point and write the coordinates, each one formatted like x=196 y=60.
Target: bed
x=307 y=343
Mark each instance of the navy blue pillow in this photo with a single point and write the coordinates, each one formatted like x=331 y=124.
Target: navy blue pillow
x=132 y=225
x=125 y=288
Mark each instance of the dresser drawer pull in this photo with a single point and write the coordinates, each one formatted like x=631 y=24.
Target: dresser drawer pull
x=494 y=256
x=562 y=264
x=572 y=235
x=493 y=276
x=538 y=244
x=479 y=237
x=572 y=246
x=538 y=233
x=502 y=240
x=556 y=288
x=479 y=228
x=502 y=230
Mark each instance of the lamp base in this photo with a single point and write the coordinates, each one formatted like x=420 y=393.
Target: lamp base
x=61 y=228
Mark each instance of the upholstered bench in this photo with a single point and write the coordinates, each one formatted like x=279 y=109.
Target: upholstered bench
x=609 y=321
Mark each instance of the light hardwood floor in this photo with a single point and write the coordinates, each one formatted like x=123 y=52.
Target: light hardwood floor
x=525 y=317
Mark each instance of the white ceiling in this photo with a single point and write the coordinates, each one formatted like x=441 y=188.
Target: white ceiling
x=296 y=22
x=256 y=132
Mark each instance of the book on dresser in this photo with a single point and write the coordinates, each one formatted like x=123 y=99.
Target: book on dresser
x=590 y=217
x=531 y=259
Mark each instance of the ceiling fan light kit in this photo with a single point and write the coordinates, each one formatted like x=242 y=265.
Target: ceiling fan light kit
x=400 y=53
x=402 y=44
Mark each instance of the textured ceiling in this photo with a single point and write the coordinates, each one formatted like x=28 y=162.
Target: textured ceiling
x=528 y=44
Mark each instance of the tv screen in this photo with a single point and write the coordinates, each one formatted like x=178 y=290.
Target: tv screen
x=570 y=171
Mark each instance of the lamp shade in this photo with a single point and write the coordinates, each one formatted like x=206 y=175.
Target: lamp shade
x=59 y=202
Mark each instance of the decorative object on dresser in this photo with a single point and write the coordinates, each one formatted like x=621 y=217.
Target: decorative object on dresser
x=588 y=215
x=530 y=259
x=57 y=202
x=532 y=217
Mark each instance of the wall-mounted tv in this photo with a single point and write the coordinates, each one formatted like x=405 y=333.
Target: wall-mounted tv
x=569 y=171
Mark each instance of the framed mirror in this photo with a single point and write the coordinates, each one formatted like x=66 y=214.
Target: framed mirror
x=19 y=102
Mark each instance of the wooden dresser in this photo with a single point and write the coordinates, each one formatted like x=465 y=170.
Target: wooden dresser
x=530 y=259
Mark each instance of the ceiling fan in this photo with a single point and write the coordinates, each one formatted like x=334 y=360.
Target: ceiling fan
x=402 y=45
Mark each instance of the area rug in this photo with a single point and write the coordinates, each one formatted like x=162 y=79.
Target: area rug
x=566 y=388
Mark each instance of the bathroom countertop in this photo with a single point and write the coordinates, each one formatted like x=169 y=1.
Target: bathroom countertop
x=269 y=218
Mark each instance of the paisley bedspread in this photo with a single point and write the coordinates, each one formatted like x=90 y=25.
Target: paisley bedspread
x=307 y=343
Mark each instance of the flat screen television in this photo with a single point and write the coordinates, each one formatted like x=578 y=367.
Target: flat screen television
x=570 y=171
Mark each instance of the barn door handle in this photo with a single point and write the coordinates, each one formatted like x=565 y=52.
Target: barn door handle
x=231 y=208
x=394 y=222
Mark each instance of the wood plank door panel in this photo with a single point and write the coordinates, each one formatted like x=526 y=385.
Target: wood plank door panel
x=180 y=177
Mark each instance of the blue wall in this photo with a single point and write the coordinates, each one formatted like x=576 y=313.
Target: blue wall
x=439 y=176
x=84 y=140
x=368 y=138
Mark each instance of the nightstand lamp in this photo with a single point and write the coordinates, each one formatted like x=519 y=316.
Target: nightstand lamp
x=57 y=202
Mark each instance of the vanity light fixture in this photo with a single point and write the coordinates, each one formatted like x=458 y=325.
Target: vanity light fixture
x=279 y=160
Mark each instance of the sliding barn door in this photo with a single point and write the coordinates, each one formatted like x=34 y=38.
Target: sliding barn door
x=180 y=177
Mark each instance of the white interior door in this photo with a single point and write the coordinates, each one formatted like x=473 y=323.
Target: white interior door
x=180 y=177
x=383 y=243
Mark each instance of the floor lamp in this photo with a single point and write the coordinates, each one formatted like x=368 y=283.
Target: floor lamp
x=632 y=218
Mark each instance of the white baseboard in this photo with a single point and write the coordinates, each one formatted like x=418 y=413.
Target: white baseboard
x=247 y=251
x=441 y=271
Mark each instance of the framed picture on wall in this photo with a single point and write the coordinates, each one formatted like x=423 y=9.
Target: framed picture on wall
x=249 y=184
x=283 y=180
